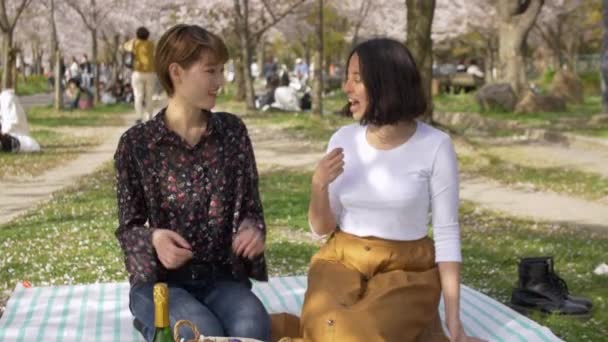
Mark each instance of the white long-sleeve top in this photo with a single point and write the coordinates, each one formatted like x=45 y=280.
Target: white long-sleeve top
x=389 y=193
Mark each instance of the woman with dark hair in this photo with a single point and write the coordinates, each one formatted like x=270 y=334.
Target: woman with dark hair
x=189 y=209
x=78 y=97
x=379 y=277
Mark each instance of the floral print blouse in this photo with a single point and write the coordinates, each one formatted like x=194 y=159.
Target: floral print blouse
x=202 y=192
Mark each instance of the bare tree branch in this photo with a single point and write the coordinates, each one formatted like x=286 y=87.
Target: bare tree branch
x=276 y=19
x=5 y=22
x=528 y=17
x=74 y=5
x=269 y=9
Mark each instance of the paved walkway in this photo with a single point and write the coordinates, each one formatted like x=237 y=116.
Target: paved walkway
x=36 y=100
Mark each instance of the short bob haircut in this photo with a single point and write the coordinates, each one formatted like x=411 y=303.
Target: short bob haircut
x=142 y=33
x=185 y=45
x=392 y=81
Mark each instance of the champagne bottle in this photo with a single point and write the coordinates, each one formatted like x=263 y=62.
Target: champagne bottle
x=162 y=331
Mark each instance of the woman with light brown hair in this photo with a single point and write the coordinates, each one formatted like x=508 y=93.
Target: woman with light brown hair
x=189 y=209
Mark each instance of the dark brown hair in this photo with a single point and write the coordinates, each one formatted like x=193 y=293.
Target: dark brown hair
x=184 y=45
x=392 y=82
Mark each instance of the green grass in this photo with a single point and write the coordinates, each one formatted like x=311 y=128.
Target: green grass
x=31 y=85
x=599 y=132
x=71 y=240
x=302 y=125
x=285 y=196
x=591 y=83
x=567 y=181
x=334 y=103
x=57 y=148
x=492 y=244
x=466 y=103
x=103 y=115
x=52 y=130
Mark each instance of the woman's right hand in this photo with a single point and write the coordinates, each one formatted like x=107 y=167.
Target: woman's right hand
x=329 y=168
x=173 y=250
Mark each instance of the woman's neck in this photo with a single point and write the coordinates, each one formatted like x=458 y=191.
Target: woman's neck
x=389 y=136
x=187 y=121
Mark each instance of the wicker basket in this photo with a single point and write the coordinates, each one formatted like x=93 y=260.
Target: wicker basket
x=200 y=338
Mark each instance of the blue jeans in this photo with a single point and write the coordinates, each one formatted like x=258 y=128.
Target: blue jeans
x=223 y=308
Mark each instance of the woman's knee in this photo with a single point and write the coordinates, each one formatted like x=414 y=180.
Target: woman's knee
x=194 y=311
x=249 y=319
x=250 y=322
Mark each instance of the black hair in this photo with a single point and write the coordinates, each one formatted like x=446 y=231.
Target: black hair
x=142 y=33
x=392 y=81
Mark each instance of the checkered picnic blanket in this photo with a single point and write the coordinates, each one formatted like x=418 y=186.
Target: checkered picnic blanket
x=100 y=312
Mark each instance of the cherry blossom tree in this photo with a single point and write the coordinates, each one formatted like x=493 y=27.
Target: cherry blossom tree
x=9 y=16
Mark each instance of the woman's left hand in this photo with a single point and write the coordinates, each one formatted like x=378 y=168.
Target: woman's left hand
x=457 y=334
x=249 y=241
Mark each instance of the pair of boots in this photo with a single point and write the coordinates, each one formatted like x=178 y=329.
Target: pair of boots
x=540 y=288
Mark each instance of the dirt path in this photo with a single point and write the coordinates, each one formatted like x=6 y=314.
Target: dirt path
x=277 y=149
x=590 y=159
x=20 y=195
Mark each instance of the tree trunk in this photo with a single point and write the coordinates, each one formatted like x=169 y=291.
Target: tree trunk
x=604 y=57
x=8 y=59
x=515 y=21
x=115 y=62
x=239 y=79
x=307 y=52
x=362 y=15
x=242 y=30
x=54 y=38
x=419 y=21
x=95 y=66
x=249 y=90
x=15 y=72
x=261 y=55
x=37 y=53
x=571 y=53
x=58 y=77
x=317 y=98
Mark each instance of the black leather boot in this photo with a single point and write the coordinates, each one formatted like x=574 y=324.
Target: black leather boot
x=538 y=290
x=562 y=284
x=553 y=278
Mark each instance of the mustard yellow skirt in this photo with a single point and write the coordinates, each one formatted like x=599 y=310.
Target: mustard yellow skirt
x=371 y=289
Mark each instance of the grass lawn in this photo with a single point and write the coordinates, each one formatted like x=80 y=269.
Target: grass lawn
x=103 y=115
x=466 y=103
x=599 y=132
x=566 y=181
x=71 y=240
x=301 y=124
x=57 y=134
x=31 y=85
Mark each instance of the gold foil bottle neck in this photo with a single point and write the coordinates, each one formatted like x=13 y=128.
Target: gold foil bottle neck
x=161 y=305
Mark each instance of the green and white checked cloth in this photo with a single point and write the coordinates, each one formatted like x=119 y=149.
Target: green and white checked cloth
x=100 y=312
